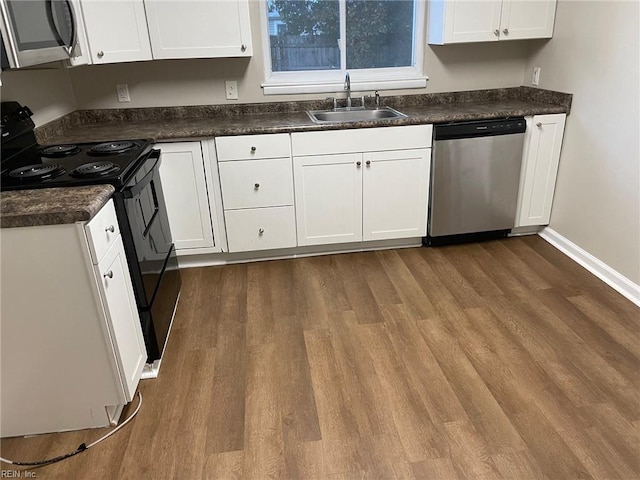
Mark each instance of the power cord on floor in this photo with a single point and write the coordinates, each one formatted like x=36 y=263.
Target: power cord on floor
x=82 y=447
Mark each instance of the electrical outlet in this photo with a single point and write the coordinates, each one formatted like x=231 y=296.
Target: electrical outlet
x=231 y=89
x=536 y=76
x=123 y=92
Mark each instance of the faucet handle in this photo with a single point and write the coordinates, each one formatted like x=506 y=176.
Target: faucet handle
x=335 y=102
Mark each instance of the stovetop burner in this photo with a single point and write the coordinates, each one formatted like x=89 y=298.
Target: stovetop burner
x=37 y=172
x=111 y=148
x=95 y=169
x=57 y=151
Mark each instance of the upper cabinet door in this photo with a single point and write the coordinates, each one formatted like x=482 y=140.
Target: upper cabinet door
x=527 y=19
x=199 y=29
x=116 y=30
x=463 y=21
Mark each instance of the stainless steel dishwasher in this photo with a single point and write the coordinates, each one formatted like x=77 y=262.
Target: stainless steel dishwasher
x=475 y=173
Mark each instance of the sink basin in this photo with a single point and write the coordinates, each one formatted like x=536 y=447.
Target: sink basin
x=353 y=115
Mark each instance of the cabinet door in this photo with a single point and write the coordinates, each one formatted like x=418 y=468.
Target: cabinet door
x=539 y=169
x=116 y=30
x=122 y=316
x=527 y=19
x=328 y=198
x=184 y=185
x=471 y=21
x=396 y=189
x=199 y=29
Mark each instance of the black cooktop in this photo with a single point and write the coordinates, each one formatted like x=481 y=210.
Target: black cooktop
x=74 y=164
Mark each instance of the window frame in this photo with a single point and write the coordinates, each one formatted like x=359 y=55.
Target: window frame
x=327 y=81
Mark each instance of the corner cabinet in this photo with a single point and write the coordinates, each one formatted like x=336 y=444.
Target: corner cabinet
x=361 y=184
x=539 y=170
x=466 y=21
x=72 y=344
x=199 y=29
x=116 y=30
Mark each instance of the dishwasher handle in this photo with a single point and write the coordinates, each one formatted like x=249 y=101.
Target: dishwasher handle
x=483 y=128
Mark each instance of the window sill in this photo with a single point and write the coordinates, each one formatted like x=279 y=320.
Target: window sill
x=282 y=88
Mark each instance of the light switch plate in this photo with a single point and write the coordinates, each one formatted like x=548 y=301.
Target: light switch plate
x=231 y=89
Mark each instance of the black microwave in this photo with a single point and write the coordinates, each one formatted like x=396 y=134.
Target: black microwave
x=37 y=31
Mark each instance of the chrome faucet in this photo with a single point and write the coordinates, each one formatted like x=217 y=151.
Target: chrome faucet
x=347 y=87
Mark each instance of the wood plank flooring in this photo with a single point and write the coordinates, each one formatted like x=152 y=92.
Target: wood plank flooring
x=497 y=360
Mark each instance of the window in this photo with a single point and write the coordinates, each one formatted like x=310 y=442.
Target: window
x=313 y=43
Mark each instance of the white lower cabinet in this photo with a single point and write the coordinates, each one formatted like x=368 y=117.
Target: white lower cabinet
x=257 y=191
x=361 y=195
x=539 y=170
x=328 y=198
x=183 y=172
x=72 y=349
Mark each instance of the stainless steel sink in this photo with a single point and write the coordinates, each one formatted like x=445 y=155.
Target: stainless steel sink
x=353 y=115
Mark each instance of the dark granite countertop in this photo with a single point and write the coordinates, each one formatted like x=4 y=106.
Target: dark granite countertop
x=52 y=206
x=164 y=123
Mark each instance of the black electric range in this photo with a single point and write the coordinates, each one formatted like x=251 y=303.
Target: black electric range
x=74 y=164
x=132 y=167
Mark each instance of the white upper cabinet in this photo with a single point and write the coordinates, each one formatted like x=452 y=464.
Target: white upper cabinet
x=116 y=30
x=527 y=19
x=199 y=29
x=465 y=21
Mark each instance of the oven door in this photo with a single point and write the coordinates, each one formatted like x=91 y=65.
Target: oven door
x=147 y=230
x=38 y=31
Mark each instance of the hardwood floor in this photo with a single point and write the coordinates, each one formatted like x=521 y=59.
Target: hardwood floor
x=500 y=360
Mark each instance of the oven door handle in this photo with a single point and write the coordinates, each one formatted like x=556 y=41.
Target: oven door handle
x=135 y=190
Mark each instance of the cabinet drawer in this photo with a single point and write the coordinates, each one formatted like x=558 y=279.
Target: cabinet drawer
x=257 y=183
x=260 y=228
x=253 y=146
x=102 y=230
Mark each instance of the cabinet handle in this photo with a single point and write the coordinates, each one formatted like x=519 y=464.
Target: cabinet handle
x=256 y=186
x=539 y=124
x=100 y=54
x=358 y=163
x=496 y=32
x=253 y=149
x=260 y=231
x=243 y=47
x=110 y=228
x=505 y=31
x=368 y=162
x=109 y=274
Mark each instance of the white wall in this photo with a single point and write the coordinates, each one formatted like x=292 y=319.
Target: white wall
x=201 y=82
x=47 y=92
x=595 y=55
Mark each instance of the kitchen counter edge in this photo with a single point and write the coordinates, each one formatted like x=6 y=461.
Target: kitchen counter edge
x=52 y=206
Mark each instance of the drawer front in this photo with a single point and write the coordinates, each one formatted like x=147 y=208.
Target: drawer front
x=330 y=142
x=257 y=183
x=250 y=147
x=260 y=228
x=102 y=230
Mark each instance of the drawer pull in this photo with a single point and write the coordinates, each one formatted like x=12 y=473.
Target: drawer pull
x=256 y=186
x=253 y=149
x=109 y=274
x=110 y=228
x=260 y=231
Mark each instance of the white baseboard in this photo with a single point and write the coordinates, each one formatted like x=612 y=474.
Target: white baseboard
x=604 y=272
